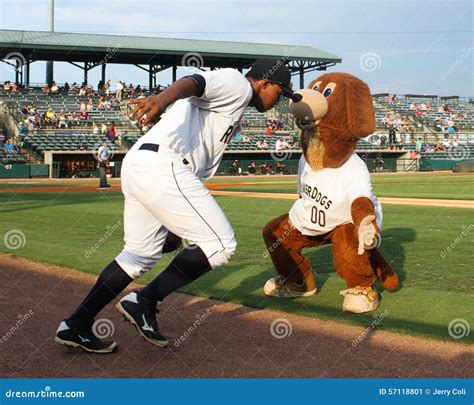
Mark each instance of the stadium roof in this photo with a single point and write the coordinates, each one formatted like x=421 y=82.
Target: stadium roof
x=69 y=47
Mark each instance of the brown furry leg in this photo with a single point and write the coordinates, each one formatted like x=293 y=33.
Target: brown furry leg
x=383 y=270
x=285 y=243
x=354 y=269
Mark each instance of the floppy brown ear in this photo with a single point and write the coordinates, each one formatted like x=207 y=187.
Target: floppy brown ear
x=360 y=109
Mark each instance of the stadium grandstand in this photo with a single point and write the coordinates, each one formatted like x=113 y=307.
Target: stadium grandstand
x=54 y=129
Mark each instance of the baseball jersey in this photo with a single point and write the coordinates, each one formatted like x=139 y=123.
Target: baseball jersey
x=327 y=196
x=199 y=128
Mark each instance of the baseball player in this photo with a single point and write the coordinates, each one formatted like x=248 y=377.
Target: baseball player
x=162 y=183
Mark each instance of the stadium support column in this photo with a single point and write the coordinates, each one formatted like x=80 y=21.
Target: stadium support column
x=86 y=71
x=104 y=65
x=27 y=74
x=49 y=63
x=301 y=77
x=150 y=77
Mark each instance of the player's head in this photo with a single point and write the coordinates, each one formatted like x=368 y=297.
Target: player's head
x=270 y=79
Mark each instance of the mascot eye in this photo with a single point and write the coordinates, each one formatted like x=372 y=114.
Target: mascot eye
x=316 y=86
x=327 y=92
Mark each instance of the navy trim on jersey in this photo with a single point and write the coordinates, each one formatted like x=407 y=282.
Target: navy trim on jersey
x=200 y=84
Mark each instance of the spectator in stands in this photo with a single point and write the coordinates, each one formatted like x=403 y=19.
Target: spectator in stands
x=62 y=122
x=264 y=144
x=50 y=116
x=95 y=129
x=264 y=168
x=284 y=144
x=419 y=145
x=234 y=168
x=54 y=88
x=21 y=128
x=83 y=90
x=82 y=146
x=8 y=147
x=107 y=88
x=6 y=86
x=84 y=117
x=103 y=128
x=252 y=168
x=100 y=102
x=413 y=155
x=238 y=136
x=245 y=137
x=89 y=106
x=280 y=167
x=82 y=106
x=269 y=130
x=111 y=132
x=258 y=144
x=278 y=144
x=73 y=119
x=66 y=88
x=392 y=135
x=118 y=90
x=379 y=163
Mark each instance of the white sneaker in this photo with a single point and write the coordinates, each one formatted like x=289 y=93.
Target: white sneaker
x=359 y=300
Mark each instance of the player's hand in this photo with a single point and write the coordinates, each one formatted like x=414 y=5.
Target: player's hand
x=369 y=234
x=152 y=106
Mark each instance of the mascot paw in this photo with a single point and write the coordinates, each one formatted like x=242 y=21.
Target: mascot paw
x=278 y=287
x=359 y=300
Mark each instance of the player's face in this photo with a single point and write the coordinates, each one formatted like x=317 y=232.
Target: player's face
x=269 y=94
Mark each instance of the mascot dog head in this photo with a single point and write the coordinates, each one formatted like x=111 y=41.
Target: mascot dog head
x=335 y=111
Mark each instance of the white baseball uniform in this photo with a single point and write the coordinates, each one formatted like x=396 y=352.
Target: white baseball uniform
x=163 y=190
x=327 y=196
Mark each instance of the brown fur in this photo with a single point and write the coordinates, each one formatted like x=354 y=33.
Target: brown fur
x=350 y=117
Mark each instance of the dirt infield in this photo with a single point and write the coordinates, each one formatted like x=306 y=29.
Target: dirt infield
x=229 y=340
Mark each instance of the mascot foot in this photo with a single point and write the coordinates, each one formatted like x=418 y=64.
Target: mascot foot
x=359 y=300
x=278 y=287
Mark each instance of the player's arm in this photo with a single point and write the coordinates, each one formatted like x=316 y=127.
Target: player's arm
x=154 y=106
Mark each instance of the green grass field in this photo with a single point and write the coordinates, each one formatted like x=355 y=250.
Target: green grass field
x=61 y=229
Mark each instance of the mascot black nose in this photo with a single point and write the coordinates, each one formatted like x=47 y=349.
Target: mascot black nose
x=295 y=97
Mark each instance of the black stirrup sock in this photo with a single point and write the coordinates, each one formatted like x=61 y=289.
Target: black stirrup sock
x=186 y=267
x=111 y=282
